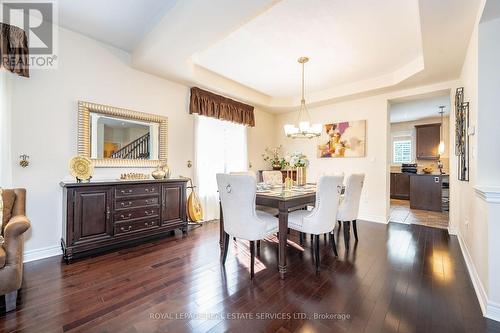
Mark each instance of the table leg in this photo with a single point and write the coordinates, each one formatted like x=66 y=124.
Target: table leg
x=221 y=230
x=283 y=228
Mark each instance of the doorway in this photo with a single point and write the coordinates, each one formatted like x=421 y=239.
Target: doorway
x=419 y=135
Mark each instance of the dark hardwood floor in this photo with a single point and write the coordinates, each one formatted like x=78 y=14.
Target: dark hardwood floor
x=398 y=278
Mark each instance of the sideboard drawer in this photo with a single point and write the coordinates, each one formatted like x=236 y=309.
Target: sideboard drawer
x=134 y=203
x=122 y=191
x=133 y=214
x=125 y=228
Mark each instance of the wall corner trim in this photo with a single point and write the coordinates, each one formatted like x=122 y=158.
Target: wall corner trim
x=42 y=253
x=490 y=194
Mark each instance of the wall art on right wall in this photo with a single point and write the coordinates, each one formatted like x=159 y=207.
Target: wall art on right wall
x=461 y=134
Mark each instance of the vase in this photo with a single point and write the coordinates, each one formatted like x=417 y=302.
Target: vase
x=158 y=173
x=301 y=176
x=276 y=166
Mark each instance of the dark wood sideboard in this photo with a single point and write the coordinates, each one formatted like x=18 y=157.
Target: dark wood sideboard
x=100 y=216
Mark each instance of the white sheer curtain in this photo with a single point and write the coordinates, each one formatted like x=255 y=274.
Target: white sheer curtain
x=220 y=147
x=5 y=131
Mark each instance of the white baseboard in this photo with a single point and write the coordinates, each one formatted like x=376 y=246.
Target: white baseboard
x=490 y=309
x=372 y=218
x=493 y=311
x=42 y=253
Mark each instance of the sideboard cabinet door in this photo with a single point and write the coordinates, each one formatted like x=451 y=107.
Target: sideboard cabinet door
x=173 y=208
x=92 y=214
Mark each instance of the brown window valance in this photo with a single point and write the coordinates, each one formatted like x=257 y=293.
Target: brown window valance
x=14 y=50
x=212 y=105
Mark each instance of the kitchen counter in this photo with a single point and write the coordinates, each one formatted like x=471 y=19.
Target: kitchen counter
x=420 y=173
x=422 y=189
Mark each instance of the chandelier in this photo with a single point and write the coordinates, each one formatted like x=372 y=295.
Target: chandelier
x=303 y=128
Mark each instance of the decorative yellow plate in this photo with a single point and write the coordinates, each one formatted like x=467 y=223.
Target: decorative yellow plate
x=81 y=167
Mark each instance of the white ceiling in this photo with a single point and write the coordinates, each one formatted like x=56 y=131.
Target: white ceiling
x=120 y=23
x=418 y=108
x=247 y=50
x=346 y=41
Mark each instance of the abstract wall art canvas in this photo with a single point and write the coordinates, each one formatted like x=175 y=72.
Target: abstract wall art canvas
x=343 y=139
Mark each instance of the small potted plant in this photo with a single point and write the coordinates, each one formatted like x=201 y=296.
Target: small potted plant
x=273 y=156
x=300 y=162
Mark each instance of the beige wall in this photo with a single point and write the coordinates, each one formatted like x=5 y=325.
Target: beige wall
x=409 y=127
x=474 y=209
x=259 y=137
x=466 y=211
x=44 y=123
x=373 y=165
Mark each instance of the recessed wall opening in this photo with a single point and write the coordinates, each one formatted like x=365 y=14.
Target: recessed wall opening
x=419 y=152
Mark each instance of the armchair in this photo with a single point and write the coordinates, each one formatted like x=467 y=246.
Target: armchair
x=11 y=252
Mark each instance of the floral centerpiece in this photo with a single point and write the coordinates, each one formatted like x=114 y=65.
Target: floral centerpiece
x=298 y=159
x=300 y=162
x=274 y=157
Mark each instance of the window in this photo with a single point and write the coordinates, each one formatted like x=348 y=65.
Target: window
x=220 y=147
x=401 y=151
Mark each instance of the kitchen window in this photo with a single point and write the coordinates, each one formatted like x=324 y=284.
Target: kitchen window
x=401 y=151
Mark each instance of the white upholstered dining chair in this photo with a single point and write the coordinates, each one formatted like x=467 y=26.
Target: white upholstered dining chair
x=349 y=207
x=241 y=219
x=321 y=219
x=272 y=177
x=269 y=210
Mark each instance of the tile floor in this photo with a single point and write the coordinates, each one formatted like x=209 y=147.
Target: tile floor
x=401 y=212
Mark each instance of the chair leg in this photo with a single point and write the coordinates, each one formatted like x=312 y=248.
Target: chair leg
x=334 y=245
x=258 y=246
x=301 y=238
x=226 y=246
x=288 y=231
x=312 y=238
x=340 y=225
x=252 y=259
x=324 y=237
x=347 y=233
x=10 y=301
x=355 y=230
x=316 y=251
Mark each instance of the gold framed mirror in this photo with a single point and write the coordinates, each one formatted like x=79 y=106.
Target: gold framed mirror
x=116 y=137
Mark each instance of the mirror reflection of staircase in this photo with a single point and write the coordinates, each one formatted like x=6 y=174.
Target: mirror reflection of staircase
x=137 y=149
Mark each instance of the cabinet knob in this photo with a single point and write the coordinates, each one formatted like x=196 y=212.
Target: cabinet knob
x=108 y=213
x=149 y=212
x=126 y=217
x=126 y=204
x=149 y=224
x=127 y=229
x=124 y=192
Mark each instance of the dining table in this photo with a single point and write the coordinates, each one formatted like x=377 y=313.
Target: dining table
x=284 y=200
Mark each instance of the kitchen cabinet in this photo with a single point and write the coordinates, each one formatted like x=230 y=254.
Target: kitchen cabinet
x=400 y=186
x=428 y=137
